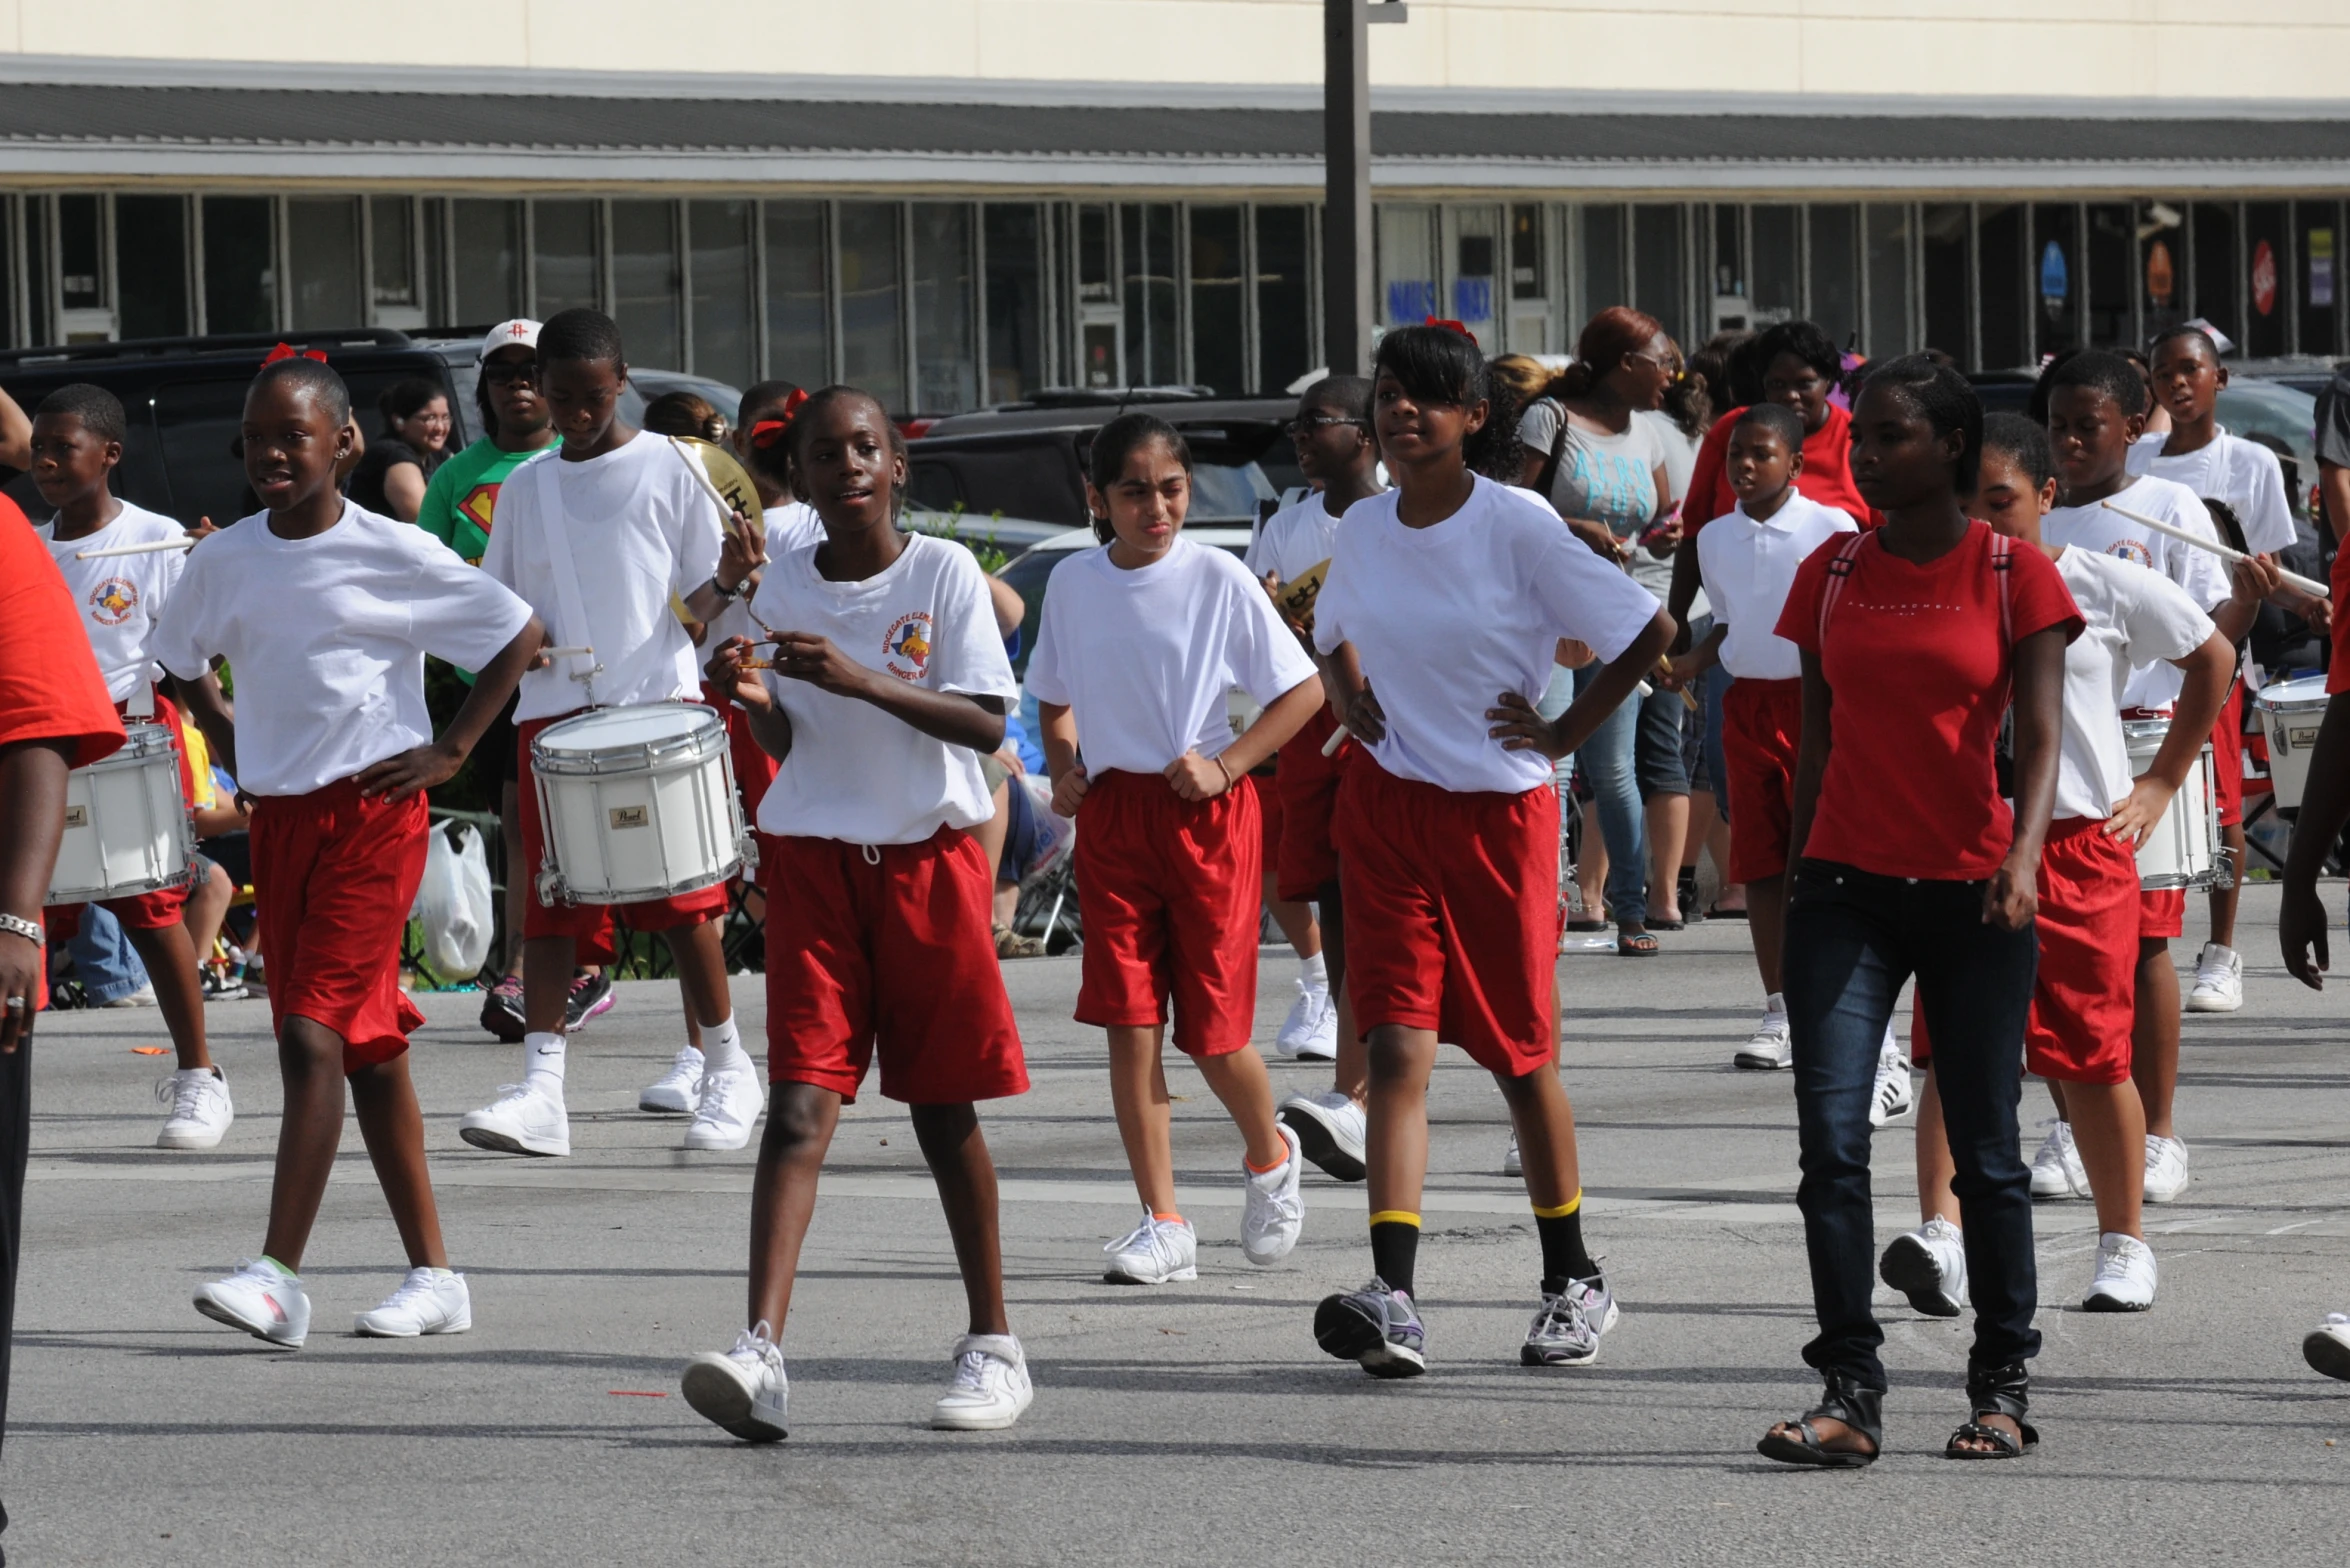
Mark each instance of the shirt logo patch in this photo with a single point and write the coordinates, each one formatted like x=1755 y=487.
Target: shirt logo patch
x=906 y=649
x=479 y=502
x=112 y=602
x=2134 y=551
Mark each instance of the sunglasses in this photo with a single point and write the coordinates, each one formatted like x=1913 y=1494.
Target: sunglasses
x=1306 y=424
x=499 y=373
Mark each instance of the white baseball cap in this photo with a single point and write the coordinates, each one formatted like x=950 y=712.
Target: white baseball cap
x=507 y=334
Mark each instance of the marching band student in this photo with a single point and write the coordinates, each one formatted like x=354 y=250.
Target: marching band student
x=78 y=435
x=1447 y=827
x=1747 y=560
x=2217 y=466
x=1137 y=648
x=2078 y=1038
x=1335 y=446
x=2096 y=409
x=337 y=753
x=597 y=539
x=1908 y=861
x=888 y=683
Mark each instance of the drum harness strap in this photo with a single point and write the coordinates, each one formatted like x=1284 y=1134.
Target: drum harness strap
x=567 y=593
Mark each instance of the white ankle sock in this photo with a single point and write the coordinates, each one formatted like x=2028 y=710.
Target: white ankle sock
x=1776 y=1002
x=722 y=1048
x=1314 y=972
x=542 y=1059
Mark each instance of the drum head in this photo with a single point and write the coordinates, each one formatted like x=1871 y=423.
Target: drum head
x=605 y=729
x=2307 y=692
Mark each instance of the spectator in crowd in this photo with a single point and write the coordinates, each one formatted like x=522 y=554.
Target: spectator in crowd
x=397 y=466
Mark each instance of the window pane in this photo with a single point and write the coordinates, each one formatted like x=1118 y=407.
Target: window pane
x=240 y=269
x=322 y=252
x=1527 y=278
x=799 y=321
x=2056 y=275
x=1729 y=281
x=1097 y=280
x=151 y=264
x=433 y=215
x=1949 y=292
x=391 y=222
x=565 y=256
x=1476 y=261
x=1219 y=357
x=1603 y=259
x=2215 y=297
x=725 y=341
x=1407 y=265
x=1835 y=273
x=40 y=326
x=946 y=351
x=81 y=254
x=489 y=260
x=2267 y=251
x=1888 y=262
x=873 y=341
x=2318 y=275
x=1999 y=262
x=1149 y=257
x=646 y=288
x=1285 y=342
x=1660 y=280
x=2164 y=268
x=12 y=333
x=2112 y=308
x=1777 y=265
x=1015 y=301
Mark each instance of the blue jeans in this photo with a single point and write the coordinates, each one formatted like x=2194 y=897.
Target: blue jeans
x=103 y=959
x=1606 y=760
x=1716 y=681
x=1852 y=939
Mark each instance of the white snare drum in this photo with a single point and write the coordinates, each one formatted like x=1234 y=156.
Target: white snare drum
x=2183 y=849
x=2291 y=711
x=636 y=803
x=126 y=823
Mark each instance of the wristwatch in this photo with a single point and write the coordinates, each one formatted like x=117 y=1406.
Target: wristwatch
x=30 y=930
x=724 y=592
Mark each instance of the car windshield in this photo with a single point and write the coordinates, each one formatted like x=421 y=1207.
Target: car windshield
x=1229 y=493
x=2270 y=408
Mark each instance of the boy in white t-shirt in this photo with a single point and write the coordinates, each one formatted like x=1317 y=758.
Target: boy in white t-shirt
x=600 y=538
x=78 y=435
x=887 y=684
x=326 y=612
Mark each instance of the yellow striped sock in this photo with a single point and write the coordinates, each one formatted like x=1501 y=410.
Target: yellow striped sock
x=1396 y=1217
x=1563 y=1210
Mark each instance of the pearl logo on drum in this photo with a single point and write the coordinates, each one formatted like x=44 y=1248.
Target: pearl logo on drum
x=629 y=817
x=77 y=816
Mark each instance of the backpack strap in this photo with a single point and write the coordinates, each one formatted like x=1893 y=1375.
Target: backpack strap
x=1549 y=472
x=1839 y=569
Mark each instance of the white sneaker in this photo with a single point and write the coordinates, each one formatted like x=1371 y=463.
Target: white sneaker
x=429 y=1301
x=745 y=1390
x=1928 y=1265
x=1331 y=1129
x=2327 y=1349
x=524 y=1119
x=1274 y=1212
x=144 y=996
x=990 y=1386
x=1153 y=1253
x=1770 y=1047
x=1512 y=1163
x=728 y=1108
x=2166 y=1168
x=2125 y=1275
x=200 y=1109
x=2219 y=980
x=677 y=1092
x=2057 y=1171
x=263 y=1300
x=1310 y=1032
x=1891 y=1099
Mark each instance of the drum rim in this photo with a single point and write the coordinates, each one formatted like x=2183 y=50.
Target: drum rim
x=637 y=758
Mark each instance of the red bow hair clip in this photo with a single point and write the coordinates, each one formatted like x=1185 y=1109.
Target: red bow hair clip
x=1450 y=326
x=766 y=432
x=288 y=351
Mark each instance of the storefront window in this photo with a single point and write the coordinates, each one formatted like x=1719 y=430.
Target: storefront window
x=2317 y=275
x=1945 y=230
x=1604 y=280
x=151 y=264
x=1148 y=253
x=1219 y=348
x=240 y=269
x=645 y=282
x=2113 y=303
x=1835 y=273
x=566 y=257
x=488 y=242
x=873 y=337
x=946 y=349
x=2216 y=297
x=1014 y=248
x=2162 y=268
x=1659 y=267
x=2056 y=276
x=799 y=318
x=1285 y=327
x=1889 y=274
x=725 y=339
x=322 y=252
x=2000 y=271
x=1407 y=265
x=2268 y=292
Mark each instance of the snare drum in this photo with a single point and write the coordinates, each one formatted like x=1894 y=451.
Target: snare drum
x=126 y=823
x=637 y=803
x=2183 y=849
x=2291 y=711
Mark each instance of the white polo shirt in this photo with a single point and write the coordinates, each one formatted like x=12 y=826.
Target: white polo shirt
x=1748 y=566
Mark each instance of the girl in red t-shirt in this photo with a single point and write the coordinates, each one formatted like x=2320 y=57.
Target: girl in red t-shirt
x=1913 y=637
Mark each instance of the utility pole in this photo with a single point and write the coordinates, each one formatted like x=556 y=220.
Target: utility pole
x=1347 y=304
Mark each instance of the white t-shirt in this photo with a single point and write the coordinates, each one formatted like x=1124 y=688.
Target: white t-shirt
x=2133 y=618
x=1748 y=567
x=856 y=773
x=2242 y=473
x=1145 y=658
x=2203 y=575
x=326 y=638
x=1448 y=617
x=121 y=596
x=789 y=527
x=1293 y=541
x=640 y=530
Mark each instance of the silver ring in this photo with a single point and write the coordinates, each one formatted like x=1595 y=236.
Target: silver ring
x=16 y=1004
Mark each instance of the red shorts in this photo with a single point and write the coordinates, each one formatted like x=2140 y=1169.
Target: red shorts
x=2162 y=912
x=155 y=910
x=1452 y=912
x=1762 y=725
x=1169 y=891
x=590 y=925
x=334 y=876
x=887 y=945
x=1308 y=788
x=2227 y=757
x=1270 y=818
x=2085 y=998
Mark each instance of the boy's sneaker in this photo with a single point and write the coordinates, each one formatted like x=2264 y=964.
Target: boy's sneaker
x=1330 y=1128
x=1310 y=1032
x=2125 y=1275
x=590 y=996
x=677 y=1092
x=745 y=1390
x=263 y=1300
x=1274 y=1213
x=728 y=1109
x=2057 y=1171
x=2219 y=980
x=2166 y=1168
x=429 y=1301
x=1770 y=1048
x=200 y=1109
x=1153 y=1253
x=1891 y=1099
x=1376 y=1327
x=524 y=1119
x=1567 y=1326
x=501 y=1010
x=1929 y=1267
x=990 y=1386
x=2327 y=1349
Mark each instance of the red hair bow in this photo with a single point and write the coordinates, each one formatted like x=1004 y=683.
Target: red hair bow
x=1450 y=326
x=766 y=432
x=288 y=351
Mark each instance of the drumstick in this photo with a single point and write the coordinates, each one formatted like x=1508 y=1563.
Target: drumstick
x=1336 y=740
x=567 y=653
x=1664 y=666
x=2216 y=548
x=152 y=547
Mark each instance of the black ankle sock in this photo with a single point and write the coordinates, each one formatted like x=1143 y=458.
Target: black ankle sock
x=1395 y=1248
x=1563 y=1257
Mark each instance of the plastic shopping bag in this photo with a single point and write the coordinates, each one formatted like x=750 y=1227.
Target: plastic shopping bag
x=455 y=905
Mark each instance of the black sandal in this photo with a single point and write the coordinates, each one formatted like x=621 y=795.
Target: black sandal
x=1861 y=1409
x=1636 y=944
x=1998 y=1391
x=1717 y=912
x=1586 y=925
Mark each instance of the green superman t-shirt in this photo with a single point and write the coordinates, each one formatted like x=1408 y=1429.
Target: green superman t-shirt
x=463 y=493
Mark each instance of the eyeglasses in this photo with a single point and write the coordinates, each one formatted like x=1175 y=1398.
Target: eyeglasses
x=1306 y=424
x=1671 y=371
x=503 y=372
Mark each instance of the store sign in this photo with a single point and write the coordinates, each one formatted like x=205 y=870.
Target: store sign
x=2055 y=280
x=1410 y=301
x=2321 y=267
x=1472 y=299
x=2160 y=280
x=2264 y=278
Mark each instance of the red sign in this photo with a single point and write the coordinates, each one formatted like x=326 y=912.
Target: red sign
x=2264 y=278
